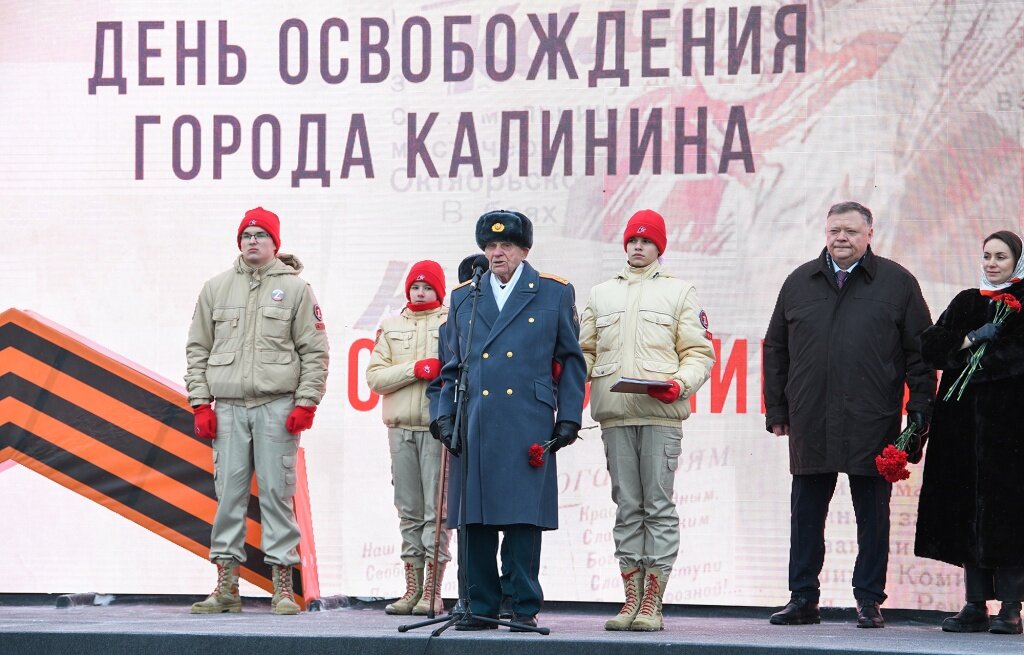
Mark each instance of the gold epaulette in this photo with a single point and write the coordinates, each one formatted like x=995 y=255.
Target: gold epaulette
x=556 y=278
x=462 y=284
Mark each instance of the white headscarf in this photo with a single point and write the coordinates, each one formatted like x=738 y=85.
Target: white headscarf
x=1016 y=276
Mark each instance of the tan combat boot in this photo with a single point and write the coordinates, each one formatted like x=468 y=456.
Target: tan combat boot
x=632 y=580
x=649 y=618
x=224 y=597
x=283 y=601
x=431 y=591
x=413 y=591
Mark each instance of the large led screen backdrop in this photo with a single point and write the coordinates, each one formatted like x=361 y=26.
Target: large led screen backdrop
x=135 y=135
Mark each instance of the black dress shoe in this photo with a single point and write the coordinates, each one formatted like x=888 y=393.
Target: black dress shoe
x=972 y=618
x=799 y=611
x=505 y=609
x=520 y=619
x=473 y=623
x=869 y=615
x=1007 y=621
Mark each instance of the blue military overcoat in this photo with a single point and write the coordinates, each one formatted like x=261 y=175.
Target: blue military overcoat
x=512 y=396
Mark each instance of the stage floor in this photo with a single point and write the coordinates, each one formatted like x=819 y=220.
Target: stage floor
x=167 y=627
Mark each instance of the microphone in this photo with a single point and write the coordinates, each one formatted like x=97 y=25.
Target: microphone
x=480 y=266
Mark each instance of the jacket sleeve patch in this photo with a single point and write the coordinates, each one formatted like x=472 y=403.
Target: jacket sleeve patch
x=704 y=323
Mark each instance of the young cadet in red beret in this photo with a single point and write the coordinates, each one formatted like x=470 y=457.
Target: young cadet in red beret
x=644 y=323
x=258 y=347
x=403 y=363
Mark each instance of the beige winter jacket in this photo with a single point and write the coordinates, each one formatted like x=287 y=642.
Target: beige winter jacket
x=402 y=341
x=644 y=323
x=256 y=336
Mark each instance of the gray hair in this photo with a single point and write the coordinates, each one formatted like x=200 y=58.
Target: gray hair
x=851 y=206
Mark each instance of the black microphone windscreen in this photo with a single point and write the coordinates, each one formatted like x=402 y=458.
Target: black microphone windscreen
x=481 y=263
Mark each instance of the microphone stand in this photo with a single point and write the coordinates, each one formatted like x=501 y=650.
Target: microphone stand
x=462 y=610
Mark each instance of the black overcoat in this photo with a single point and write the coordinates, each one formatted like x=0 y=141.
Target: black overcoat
x=835 y=363
x=969 y=510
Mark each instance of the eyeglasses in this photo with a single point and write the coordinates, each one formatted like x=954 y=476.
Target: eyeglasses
x=259 y=236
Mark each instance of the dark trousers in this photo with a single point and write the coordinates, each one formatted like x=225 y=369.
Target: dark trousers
x=1005 y=583
x=809 y=501
x=520 y=560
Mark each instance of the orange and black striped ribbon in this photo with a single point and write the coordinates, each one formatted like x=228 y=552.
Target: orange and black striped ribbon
x=108 y=431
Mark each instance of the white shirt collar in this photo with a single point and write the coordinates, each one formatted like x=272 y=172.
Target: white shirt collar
x=502 y=292
x=836 y=268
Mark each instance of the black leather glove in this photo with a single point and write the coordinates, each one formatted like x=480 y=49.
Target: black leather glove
x=443 y=429
x=564 y=434
x=915 y=449
x=986 y=332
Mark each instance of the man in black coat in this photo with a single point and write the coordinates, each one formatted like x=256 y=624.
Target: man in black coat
x=841 y=343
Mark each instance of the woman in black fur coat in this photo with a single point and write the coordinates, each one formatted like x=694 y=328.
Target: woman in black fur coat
x=970 y=510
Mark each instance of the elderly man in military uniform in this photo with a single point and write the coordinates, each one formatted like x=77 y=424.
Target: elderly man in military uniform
x=525 y=320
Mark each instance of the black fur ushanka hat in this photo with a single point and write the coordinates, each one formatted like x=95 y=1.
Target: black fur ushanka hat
x=504 y=225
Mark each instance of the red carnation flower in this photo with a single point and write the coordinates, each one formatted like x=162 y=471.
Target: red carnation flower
x=1011 y=302
x=892 y=464
x=537 y=453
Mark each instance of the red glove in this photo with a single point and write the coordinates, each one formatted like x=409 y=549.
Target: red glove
x=556 y=370
x=300 y=419
x=205 y=421
x=427 y=369
x=667 y=396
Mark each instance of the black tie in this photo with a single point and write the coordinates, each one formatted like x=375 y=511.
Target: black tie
x=841 y=278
